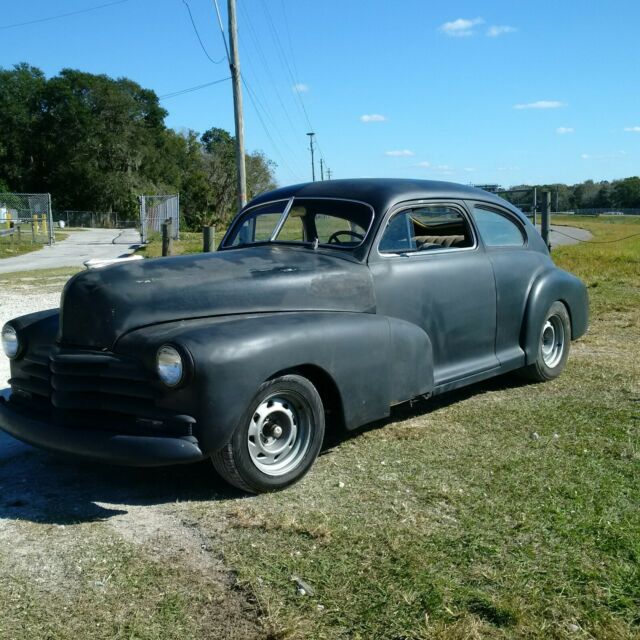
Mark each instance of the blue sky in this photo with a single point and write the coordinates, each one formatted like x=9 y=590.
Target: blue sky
x=501 y=92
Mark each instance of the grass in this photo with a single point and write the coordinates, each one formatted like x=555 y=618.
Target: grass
x=11 y=247
x=502 y=511
x=189 y=242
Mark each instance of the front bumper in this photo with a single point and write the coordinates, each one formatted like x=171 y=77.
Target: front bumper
x=103 y=446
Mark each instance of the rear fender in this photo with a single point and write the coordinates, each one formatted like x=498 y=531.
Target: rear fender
x=551 y=286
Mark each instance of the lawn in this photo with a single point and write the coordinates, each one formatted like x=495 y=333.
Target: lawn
x=10 y=246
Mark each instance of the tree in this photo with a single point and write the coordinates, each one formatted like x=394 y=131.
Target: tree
x=626 y=193
x=20 y=108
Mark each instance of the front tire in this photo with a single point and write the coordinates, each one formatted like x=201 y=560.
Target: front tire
x=553 y=346
x=278 y=437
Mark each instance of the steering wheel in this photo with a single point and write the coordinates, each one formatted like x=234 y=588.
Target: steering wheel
x=333 y=238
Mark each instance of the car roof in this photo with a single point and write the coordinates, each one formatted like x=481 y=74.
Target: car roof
x=382 y=193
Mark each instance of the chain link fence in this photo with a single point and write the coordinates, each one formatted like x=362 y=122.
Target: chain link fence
x=94 y=219
x=26 y=217
x=154 y=210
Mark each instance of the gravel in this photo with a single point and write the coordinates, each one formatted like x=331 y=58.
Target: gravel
x=16 y=301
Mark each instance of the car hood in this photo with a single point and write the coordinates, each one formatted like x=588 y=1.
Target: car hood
x=100 y=305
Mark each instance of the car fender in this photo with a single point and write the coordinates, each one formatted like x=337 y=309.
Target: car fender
x=373 y=362
x=550 y=286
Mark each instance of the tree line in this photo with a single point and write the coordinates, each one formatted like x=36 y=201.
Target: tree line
x=95 y=143
x=622 y=194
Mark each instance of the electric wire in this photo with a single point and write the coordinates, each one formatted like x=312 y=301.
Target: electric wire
x=195 y=30
x=175 y=94
x=252 y=98
x=62 y=15
x=283 y=57
x=258 y=47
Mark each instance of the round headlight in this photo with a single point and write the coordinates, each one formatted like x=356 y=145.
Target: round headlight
x=10 y=342
x=169 y=365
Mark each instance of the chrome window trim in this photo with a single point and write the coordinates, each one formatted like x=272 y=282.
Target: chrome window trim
x=423 y=254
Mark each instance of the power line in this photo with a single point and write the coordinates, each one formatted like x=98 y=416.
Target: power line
x=266 y=129
x=63 y=15
x=190 y=89
x=195 y=29
x=562 y=233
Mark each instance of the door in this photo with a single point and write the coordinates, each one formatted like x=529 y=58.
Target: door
x=515 y=266
x=429 y=269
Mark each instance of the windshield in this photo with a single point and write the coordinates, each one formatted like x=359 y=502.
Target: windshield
x=341 y=224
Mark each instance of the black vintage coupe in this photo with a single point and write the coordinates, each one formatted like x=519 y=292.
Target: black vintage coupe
x=327 y=302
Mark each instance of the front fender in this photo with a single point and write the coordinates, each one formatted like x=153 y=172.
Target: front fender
x=550 y=286
x=372 y=364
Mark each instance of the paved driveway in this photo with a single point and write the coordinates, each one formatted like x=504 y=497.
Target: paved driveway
x=79 y=247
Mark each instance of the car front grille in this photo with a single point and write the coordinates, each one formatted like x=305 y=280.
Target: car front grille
x=106 y=390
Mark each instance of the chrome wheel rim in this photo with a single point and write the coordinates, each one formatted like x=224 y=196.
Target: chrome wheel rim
x=552 y=341
x=279 y=433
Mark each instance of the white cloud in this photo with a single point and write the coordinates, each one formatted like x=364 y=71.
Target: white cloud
x=460 y=28
x=633 y=129
x=300 y=87
x=499 y=30
x=541 y=104
x=372 y=117
x=563 y=130
x=399 y=153
x=603 y=156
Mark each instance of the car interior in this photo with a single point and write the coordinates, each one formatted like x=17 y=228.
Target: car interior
x=426 y=229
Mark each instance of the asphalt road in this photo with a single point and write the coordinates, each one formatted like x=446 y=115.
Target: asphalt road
x=79 y=247
x=566 y=235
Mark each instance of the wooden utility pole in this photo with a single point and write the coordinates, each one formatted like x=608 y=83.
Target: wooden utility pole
x=313 y=164
x=545 y=222
x=234 y=65
x=328 y=173
x=321 y=169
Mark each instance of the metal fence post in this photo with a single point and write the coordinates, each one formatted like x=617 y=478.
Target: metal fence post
x=546 y=209
x=52 y=235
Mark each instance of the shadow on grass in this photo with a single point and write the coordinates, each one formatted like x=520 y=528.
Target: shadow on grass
x=424 y=407
x=40 y=487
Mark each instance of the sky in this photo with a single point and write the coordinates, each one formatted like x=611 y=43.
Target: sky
x=504 y=92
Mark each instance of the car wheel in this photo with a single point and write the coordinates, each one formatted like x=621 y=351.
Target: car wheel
x=553 y=345
x=277 y=439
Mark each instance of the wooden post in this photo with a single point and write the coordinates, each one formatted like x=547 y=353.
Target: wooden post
x=208 y=239
x=167 y=240
x=546 y=210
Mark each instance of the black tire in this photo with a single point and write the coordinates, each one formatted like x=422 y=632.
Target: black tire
x=291 y=404
x=554 y=339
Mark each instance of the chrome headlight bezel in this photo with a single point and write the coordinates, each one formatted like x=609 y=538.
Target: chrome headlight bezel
x=11 y=342
x=171 y=366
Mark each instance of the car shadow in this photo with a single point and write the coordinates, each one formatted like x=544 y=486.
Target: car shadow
x=41 y=487
x=423 y=407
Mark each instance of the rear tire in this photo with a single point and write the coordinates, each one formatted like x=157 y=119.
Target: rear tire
x=278 y=437
x=554 y=339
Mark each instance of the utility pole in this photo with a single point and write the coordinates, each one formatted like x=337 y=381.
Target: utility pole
x=321 y=170
x=328 y=173
x=234 y=65
x=313 y=164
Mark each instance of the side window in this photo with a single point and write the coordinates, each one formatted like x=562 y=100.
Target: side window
x=496 y=229
x=427 y=228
